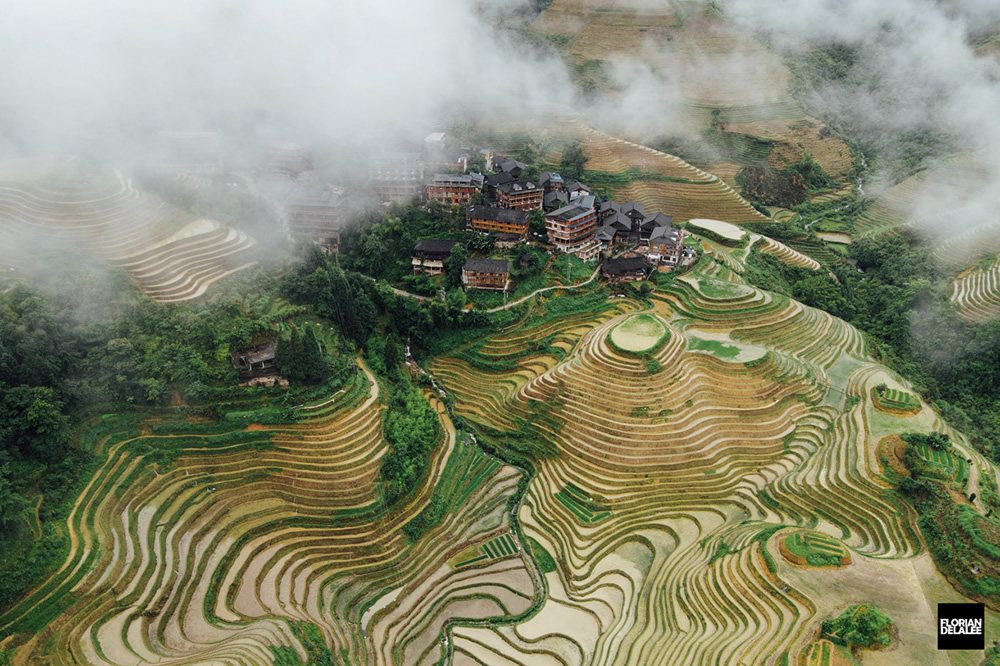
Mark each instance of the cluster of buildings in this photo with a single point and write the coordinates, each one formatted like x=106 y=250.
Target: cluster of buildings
x=502 y=203
x=313 y=210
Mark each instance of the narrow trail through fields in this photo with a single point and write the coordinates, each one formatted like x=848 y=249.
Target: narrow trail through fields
x=506 y=306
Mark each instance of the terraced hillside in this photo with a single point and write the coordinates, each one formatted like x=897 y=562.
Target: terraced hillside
x=977 y=293
x=663 y=182
x=706 y=62
x=698 y=71
x=243 y=546
x=67 y=208
x=944 y=202
x=662 y=479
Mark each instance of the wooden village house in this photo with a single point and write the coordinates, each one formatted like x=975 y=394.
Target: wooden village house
x=625 y=268
x=429 y=255
x=454 y=189
x=486 y=274
x=501 y=220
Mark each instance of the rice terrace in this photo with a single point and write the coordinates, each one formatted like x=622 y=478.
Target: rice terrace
x=549 y=333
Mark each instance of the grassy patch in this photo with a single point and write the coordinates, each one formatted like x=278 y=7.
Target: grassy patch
x=545 y=561
x=587 y=508
x=817 y=550
x=715 y=347
x=467 y=469
x=639 y=335
x=894 y=401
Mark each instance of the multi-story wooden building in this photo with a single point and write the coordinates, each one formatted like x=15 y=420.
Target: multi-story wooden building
x=429 y=255
x=486 y=274
x=654 y=222
x=552 y=181
x=504 y=220
x=571 y=227
x=520 y=195
x=287 y=160
x=454 y=189
x=625 y=268
x=316 y=212
x=397 y=176
x=665 y=245
x=513 y=167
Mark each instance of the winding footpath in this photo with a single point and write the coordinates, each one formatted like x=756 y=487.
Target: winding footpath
x=592 y=277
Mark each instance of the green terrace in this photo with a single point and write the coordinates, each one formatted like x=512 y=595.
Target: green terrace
x=894 y=399
x=588 y=508
x=494 y=549
x=817 y=549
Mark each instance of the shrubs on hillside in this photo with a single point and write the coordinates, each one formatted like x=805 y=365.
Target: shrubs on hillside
x=861 y=625
x=412 y=429
x=935 y=440
x=300 y=359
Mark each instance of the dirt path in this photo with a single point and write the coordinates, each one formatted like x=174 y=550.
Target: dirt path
x=592 y=277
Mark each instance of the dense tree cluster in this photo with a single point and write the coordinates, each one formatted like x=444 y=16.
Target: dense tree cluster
x=299 y=357
x=572 y=162
x=33 y=420
x=381 y=245
x=412 y=429
x=862 y=625
x=769 y=186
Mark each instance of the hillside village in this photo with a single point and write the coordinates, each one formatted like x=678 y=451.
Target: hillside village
x=503 y=201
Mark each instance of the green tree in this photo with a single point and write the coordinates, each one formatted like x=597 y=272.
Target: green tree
x=477 y=163
x=453 y=266
x=289 y=357
x=480 y=242
x=315 y=367
x=375 y=353
x=13 y=506
x=393 y=354
x=536 y=222
x=572 y=162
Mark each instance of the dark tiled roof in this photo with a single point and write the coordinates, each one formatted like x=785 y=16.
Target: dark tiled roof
x=511 y=165
x=505 y=215
x=435 y=245
x=497 y=179
x=633 y=208
x=619 y=221
x=624 y=265
x=258 y=354
x=666 y=234
x=519 y=187
x=658 y=220
x=553 y=199
x=569 y=213
x=487 y=266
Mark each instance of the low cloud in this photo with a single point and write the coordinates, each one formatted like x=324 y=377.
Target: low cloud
x=94 y=76
x=919 y=77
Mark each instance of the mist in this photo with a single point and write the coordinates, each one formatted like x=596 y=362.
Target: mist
x=101 y=79
x=98 y=77
x=917 y=77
